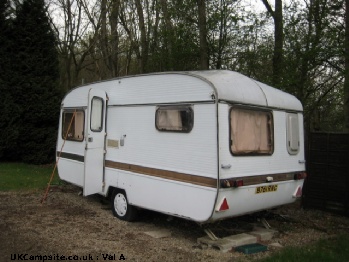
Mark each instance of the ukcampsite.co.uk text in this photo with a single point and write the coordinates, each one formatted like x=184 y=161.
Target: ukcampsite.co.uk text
x=57 y=257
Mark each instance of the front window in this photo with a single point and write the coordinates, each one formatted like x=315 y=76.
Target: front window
x=251 y=132
x=175 y=118
x=73 y=125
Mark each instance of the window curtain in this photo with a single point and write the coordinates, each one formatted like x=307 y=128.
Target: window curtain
x=250 y=132
x=169 y=120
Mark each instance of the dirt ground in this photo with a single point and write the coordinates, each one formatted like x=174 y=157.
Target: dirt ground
x=74 y=228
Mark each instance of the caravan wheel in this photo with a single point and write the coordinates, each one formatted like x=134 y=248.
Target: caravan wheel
x=121 y=208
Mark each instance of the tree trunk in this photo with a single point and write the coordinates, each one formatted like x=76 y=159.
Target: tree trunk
x=278 y=40
x=168 y=34
x=222 y=33
x=346 y=70
x=104 y=40
x=204 y=65
x=144 y=43
x=115 y=6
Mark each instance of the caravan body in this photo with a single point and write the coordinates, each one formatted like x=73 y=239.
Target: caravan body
x=203 y=145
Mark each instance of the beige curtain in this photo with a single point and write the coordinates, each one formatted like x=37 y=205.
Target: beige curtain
x=250 y=132
x=169 y=120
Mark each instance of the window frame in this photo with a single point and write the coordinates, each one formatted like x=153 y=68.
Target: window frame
x=102 y=114
x=289 y=129
x=270 y=130
x=186 y=108
x=64 y=131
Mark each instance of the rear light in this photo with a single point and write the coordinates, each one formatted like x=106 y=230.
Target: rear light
x=300 y=175
x=238 y=183
x=232 y=183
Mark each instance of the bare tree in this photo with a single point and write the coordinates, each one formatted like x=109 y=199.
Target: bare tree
x=144 y=42
x=77 y=35
x=114 y=21
x=103 y=40
x=168 y=36
x=278 y=39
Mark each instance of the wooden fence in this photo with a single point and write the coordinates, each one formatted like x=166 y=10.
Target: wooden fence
x=327 y=184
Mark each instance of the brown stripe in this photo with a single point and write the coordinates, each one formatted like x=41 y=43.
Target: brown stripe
x=186 y=178
x=260 y=179
x=71 y=156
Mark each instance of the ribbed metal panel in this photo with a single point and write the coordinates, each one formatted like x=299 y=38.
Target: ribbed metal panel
x=327 y=184
x=191 y=153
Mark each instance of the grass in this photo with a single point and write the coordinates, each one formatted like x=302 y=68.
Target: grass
x=334 y=249
x=19 y=176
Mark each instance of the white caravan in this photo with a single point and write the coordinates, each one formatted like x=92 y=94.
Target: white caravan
x=203 y=145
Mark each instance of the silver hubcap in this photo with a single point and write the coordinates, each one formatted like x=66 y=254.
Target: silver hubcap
x=120 y=204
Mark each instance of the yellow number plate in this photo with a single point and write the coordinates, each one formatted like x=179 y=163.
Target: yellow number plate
x=266 y=189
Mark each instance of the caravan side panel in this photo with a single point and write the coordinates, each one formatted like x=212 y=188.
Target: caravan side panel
x=255 y=170
x=170 y=172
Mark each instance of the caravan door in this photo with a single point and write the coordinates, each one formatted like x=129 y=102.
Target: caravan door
x=95 y=141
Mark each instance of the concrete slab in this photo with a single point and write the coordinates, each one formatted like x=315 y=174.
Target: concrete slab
x=227 y=243
x=242 y=239
x=163 y=233
x=276 y=245
x=263 y=234
x=222 y=244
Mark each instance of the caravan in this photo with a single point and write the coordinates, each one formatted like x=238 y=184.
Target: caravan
x=203 y=145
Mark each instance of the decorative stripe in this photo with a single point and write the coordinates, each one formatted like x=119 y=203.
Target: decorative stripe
x=261 y=179
x=171 y=175
x=182 y=177
x=71 y=156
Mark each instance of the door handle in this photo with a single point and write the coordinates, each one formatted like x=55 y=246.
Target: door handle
x=90 y=139
x=225 y=166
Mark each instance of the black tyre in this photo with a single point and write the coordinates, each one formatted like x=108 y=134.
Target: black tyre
x=121 y=208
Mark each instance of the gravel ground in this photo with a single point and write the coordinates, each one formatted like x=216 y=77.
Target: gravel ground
x=84 y=229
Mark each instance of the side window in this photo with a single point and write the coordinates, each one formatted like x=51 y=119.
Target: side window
x=292 y=133
x=96 y=114
x=251 y=132
x=175 y=119
x=73 y=125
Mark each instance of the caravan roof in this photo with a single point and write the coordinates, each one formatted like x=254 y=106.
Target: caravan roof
x=174 y=87
x=235 y=87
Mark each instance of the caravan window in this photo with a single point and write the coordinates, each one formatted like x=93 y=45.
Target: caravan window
x=251 y=132
x=175 y=118
x=292 y=132
x=73 y=125
x=96 y=114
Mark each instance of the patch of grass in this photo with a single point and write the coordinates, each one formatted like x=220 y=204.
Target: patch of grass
x=333 y=249
x=19 y=176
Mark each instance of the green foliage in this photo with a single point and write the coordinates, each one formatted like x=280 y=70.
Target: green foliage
x=180 y=43
x=238 y=38
x=313 y=68
x=20 y=176
x=7 y=107
x=30 y=110
x=332 y=249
